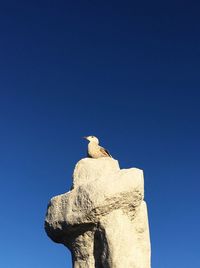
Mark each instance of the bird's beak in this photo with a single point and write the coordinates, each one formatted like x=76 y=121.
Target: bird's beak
x=85 y=137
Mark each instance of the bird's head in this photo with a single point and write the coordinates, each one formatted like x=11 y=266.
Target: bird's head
x=92 y=139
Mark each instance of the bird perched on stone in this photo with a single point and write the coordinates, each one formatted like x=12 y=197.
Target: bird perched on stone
x=94 y=149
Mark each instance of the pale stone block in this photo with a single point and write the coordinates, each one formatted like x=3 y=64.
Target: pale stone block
x=103 y=219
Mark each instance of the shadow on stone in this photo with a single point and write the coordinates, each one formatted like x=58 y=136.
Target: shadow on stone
x=98 y=249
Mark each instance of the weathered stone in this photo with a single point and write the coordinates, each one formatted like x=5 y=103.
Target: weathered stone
x=103 y=219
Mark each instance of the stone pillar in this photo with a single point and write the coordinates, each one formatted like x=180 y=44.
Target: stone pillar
x=103 y=219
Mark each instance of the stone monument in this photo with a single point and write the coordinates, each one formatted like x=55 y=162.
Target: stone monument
x=103 y=219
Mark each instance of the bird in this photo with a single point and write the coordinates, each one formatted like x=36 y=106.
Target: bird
x=94 y=149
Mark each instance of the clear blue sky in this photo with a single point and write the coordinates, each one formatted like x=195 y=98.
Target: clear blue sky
x=128 y=73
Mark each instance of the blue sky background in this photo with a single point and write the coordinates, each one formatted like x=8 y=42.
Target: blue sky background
x=124 y=71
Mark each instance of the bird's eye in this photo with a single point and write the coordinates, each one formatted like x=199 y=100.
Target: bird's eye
x=92 y=136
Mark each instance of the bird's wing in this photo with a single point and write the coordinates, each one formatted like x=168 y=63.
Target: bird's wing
x=105 y=152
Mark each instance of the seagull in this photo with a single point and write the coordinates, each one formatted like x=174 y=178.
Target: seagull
x=94 y=149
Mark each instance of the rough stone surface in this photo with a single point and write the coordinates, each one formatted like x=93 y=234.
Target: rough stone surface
x=103 y=219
